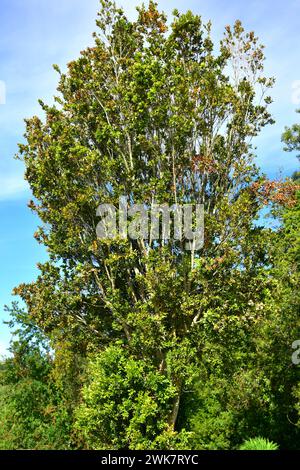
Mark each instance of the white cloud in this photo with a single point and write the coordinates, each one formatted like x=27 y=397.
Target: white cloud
x=2 y=92
x=12 y=186
x=3 y=349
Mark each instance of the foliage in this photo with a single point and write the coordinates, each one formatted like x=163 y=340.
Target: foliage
x=259 y=443
x=126 y=403
x=291 y=138
x=33 y=412
x=143 y=343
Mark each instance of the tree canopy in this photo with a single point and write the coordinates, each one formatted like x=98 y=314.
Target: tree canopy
x=153 y=345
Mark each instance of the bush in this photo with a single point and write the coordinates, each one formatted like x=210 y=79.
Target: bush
x=126 y=404
x=259 y=443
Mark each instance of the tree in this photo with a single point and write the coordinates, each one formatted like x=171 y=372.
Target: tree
x=291 y=138
x=153 y=112
x=34 y=414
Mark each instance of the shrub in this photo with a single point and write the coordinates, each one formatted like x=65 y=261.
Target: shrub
x=258 y=443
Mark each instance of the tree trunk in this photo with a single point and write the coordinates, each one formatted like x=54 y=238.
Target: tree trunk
x=175 y=410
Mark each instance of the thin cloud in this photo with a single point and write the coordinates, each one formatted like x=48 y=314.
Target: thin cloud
x=12 y=187
x=3 y=350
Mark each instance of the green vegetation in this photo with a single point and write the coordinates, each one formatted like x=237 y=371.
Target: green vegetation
x=140 y=344
x=259 y=443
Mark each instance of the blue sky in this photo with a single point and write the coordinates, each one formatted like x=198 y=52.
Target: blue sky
x=38 y=33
